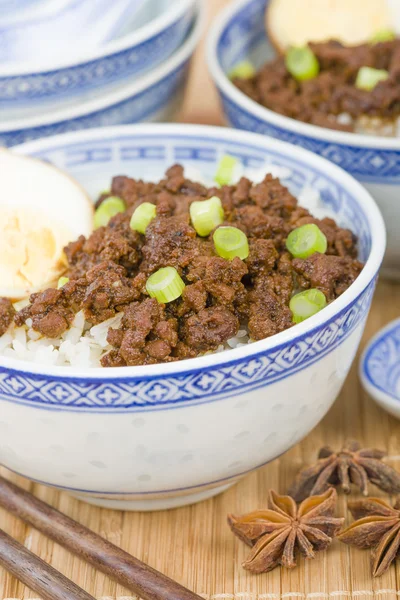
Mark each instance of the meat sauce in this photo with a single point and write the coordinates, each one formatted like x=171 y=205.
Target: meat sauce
x=332 y=92
x=108 y=272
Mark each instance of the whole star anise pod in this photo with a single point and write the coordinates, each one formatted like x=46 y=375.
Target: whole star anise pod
x=351 y=465
x=276 y=532
x=377 y=527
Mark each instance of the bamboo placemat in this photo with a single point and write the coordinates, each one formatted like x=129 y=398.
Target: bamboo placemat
x=194 y=544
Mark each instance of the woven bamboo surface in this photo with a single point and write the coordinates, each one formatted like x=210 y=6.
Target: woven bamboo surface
x=193 y=545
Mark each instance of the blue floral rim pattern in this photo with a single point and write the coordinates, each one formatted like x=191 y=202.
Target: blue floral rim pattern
x=367 y=163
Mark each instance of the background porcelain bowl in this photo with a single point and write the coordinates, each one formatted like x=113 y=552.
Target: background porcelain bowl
x=28 y=87
x=154 y=97
x=238 y=33
x=171 y=434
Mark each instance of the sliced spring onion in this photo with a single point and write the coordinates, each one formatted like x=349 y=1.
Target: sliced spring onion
x=367 y=78
x=302 y=63
x=206 y=215
x=165 y=285
x=62 y=281
x=226 y=170
x=306 y=304
x=108 y=209
x=242 y=70
x=305 y=240
x=384 y=35
x=142 y=217
x=230 y=242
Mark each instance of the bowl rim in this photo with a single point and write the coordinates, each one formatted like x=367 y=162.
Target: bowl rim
x=366 y=277
x=163 y=21
x=382 y=396
x=113 y=97
x=269 y=116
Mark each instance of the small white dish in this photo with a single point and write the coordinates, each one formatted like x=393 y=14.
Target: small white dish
x=380 y=368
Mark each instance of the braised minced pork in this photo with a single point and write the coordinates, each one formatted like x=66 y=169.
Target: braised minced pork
x=332 y=92
x=108 y=272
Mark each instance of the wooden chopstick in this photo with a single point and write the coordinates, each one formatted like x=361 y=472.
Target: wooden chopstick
x=36 y=574
x=143 y=580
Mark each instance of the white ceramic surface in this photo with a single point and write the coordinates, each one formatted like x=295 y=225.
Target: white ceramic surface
x=160 y=436
x=238 y=33
x=43 y=32
x=380 y=368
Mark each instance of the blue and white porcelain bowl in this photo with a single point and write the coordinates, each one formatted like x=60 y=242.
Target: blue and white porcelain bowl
x=41 y=33
x=380 y=368
x=154 y=97
x=239 y=33
x=30 y=87
x=171 y=434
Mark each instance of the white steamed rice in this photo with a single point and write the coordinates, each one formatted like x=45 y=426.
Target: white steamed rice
x=81 y=346
x=371 y=125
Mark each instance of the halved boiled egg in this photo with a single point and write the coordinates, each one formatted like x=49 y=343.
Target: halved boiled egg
x=42 y=209
x=352 y=22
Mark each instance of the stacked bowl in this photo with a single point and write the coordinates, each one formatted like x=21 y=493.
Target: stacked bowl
x=86 y=67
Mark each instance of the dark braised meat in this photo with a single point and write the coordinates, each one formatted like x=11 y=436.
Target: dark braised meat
x=332 y=92
x=108 y=272
x=7 y=313
x=116 y=242
x=170 y=241
x=330 y=274
x=221 y=281
x=108 y=291
x=50 y=311
x=209 y=328
x=103 y=291
x=146 y=335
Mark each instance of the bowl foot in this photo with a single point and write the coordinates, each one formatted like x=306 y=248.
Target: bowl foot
x=149 y=504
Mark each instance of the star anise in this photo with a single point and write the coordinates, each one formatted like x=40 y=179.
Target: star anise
x=351 y=465
x=276 y=532
x=377 y=527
